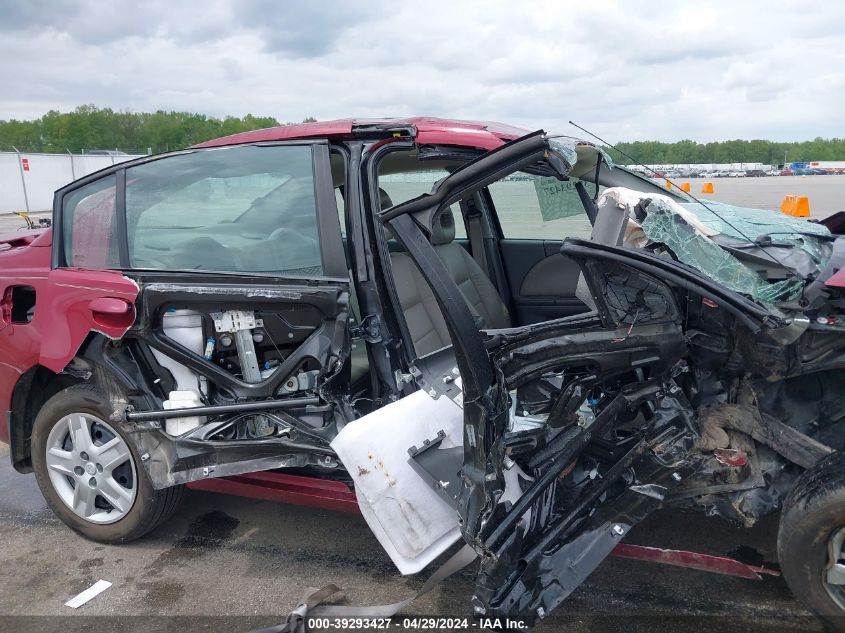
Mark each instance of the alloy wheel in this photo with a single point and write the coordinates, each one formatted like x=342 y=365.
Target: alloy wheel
x=91 y=468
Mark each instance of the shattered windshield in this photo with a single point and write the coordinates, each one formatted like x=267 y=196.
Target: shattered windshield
x=723 y=241
x=744 y=223
x=573 y=150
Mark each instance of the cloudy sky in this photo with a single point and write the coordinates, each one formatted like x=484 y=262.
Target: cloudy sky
x=629 y=70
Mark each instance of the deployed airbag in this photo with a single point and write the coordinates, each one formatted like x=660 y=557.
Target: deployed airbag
x=410 y=519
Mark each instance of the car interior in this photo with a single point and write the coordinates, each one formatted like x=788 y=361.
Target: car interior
x=499 y=245
x=506 y=280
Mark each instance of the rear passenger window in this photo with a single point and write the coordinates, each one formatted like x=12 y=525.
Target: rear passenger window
x=540 y=207
x=243 y=209
x=88 y=226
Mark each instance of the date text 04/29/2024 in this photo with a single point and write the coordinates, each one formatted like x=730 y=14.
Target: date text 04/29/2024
x=413 y=623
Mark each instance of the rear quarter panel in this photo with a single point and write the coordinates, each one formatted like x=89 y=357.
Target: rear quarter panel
x=63 y=317
x=24 y=260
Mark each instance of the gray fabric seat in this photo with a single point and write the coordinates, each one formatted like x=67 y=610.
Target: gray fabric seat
x=481 y=295
x=203 y=253
x=422 y=314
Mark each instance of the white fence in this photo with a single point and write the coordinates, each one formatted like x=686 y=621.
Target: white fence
x=28 y=180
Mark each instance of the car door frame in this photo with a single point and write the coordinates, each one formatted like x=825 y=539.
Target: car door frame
x=142 y=396
x=330 y=244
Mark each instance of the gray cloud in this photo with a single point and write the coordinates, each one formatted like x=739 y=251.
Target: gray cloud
x=38 y=13
x=664 y=70
x=303 y=28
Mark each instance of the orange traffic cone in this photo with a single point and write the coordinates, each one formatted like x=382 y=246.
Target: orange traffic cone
x=787 y=206
x=707 y=187
x=668 y=185
x=802 y=207
x=685 y=186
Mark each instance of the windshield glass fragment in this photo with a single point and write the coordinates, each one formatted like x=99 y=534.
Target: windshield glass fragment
x=738 y=246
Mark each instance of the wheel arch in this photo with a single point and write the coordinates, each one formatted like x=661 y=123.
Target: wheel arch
x=32 y=390
x=38 y=384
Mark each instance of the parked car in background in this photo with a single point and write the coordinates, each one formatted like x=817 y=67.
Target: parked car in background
x=756 y=173
x=736 y=173
x=488 y=334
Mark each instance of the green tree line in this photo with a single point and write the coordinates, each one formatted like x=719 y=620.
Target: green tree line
x=89 y=127
x=736 y=151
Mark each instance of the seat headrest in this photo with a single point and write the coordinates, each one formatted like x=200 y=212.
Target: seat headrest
x=443 y=229
x=384 y=200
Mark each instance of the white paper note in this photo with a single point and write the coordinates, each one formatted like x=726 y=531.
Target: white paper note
x=94 y=590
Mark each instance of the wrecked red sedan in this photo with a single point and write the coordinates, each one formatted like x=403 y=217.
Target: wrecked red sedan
x=490 y=335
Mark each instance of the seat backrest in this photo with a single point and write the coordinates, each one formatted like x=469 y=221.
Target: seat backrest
x=423 y=317
x=203 y=253
x=478 y=290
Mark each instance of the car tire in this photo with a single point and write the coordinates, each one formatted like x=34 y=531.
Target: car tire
x=813 y=516
x=63 y=470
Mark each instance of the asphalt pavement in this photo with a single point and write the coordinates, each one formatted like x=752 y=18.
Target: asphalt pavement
x=232 y=564
x=826 y=194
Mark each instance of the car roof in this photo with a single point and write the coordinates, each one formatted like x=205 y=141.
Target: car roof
x=429 y=130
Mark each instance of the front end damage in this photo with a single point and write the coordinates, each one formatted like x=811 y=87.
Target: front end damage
x=677 y=388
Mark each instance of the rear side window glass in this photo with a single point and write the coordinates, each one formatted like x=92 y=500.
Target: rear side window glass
x=88 y=226
x=244 y=209
x=540 y=207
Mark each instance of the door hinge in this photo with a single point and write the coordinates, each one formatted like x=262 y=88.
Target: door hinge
x=369 y=329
